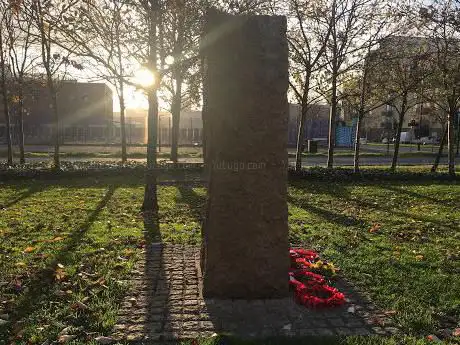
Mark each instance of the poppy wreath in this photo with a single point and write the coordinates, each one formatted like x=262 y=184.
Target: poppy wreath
x=310 y=288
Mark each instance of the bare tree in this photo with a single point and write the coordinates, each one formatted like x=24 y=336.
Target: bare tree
x=308 y=34
x=351 y=21
x=102 y=35
x=152 y=14
x=445 y=82
x=404 y=64
x=362 y=96
x=21 y=61
x=179 y=34
x=46 y=16
x=4 y=79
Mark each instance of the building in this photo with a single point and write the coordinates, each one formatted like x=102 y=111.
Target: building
x=408 y=54
x=317 y=124
x=191 y=126
x=85 y=113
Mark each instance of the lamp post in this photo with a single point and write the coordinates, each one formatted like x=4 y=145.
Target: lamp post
x=412 y=124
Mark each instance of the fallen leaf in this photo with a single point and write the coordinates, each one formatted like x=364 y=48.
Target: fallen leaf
x=374 y=228
x=60 y=265
x=287 y=327
x=21 y=264
x=60 y=274
x=29 y=249
x=79 y=306
x=67 y=330
x=61 y=293
x=101 y=281
x=390 y=312
x=419 y=257
x=456 y=332
x=104 y=340
x=434 y=338
x=65 y=338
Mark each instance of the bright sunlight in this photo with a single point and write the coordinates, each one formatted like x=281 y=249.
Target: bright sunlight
x=144 y=77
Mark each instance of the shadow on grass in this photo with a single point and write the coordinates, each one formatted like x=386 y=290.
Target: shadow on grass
x=411 y=193
x=193 y=200
x=325 y=214
x=393 y=211
x=24 y=195
x=43 y=280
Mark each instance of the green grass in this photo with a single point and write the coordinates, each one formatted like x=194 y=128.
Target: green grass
x=93 y=229
x=414 y=220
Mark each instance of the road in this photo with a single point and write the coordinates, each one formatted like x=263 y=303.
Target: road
x=319 y=160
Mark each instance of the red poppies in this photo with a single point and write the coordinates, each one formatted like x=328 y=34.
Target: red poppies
x=310 y=289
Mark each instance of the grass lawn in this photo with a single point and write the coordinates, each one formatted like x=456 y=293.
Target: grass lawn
x=67 y=247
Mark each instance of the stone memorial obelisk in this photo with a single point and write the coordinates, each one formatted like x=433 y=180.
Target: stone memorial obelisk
x=245 y=116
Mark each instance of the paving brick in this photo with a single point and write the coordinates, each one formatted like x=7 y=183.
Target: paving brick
x=173 y=310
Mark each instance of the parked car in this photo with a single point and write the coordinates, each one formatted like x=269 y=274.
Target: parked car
x=429 y=140
x=406 y=138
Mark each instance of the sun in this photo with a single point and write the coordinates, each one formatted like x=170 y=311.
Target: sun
x=144 y=77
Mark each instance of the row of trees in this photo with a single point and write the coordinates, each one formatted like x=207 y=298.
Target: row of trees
x=339 y=55
x=332 y=52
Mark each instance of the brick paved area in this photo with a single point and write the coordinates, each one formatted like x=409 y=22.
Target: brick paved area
x=165 y=303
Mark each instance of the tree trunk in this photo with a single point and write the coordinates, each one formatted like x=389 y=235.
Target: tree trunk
x=150 y=194
x=22 y=159
x=397 y=142
x=150 y=203
x=5 y=103
x=441 y=148
x=357 y=144
x=302 y=124
x=451 y=140
x=332 y=119
x=121 y=99
x=362 y=101
x=301 y=138
x=175 y=111
x=402 y=114
x=8 y=125
x=458 y=134
x=57 y=132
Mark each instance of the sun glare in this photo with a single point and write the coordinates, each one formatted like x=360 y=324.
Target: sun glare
x=169 y=60
x=144 y=77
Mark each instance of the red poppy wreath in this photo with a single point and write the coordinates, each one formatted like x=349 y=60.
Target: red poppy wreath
x=310 y=288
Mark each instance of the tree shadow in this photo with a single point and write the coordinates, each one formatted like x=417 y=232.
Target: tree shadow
x=411 y=193
x=325 y=214
x=153 y=274
x=390 y=210
x=193 y=200
x=24 y=195
x=44 y=279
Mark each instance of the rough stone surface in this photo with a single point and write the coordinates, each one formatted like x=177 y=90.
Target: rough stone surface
x=245 y=234
x=166 y=304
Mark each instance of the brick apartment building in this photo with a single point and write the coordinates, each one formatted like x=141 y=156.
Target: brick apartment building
x=381 y=122
x=85 y=110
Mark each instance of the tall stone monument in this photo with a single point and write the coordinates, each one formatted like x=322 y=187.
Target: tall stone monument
x=245 y=115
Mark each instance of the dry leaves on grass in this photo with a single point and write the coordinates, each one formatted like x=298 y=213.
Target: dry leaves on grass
x=375 y=228
x=60 y=274
x=29 y=249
